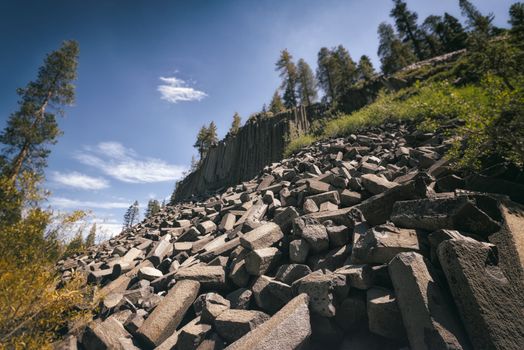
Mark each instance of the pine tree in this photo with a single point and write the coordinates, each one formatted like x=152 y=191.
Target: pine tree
x=475 y=20
x=365 y=68
x=76 y=244
x=211 y=135
x=276 y=105
x=336 y=72
x=394 y=54
x=131 y=215
x=91 y=236
x=235 y=125
x=33 y=127
x=448 y=31
x=516 y=19
x=200 y=143
x=153 y=207
x=406 y=23
x=288 y=72
x=307 y=85
x=326 y=73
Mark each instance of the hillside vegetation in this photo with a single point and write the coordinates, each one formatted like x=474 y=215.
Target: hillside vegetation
x=480 y=100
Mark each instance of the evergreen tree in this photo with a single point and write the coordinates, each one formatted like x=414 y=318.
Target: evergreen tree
x=76 y=244
x=345 y=71
x=448 y=31
x=326 y=73
x=91 y=236
x=365 y=68
x=235 y=125
x=206 y=137
x=276 y=105
x=516 y=19
x=153 y=207
x=200 y=143
x=288 y=72
x=307 y=86
x=211 y=135
x=131 y=215
x=406 y=23
x=475 y=20
x=394 y=54
x=33 y=127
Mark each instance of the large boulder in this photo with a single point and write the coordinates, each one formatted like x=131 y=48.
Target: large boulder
x=491 y=305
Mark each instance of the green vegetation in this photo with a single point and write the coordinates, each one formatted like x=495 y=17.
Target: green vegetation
x=34 y=306
x=298 y=143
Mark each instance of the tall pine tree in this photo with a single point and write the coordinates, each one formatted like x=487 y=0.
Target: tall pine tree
x=365 y=68
x=475 y=20
x=131 y=216
x=235 y=124
x=288 y=73
x=326 y=73
x=276 y=105
x=307 y=85
x=33 y=127
x=406 y=23
x=153 y=207
x=393 y=53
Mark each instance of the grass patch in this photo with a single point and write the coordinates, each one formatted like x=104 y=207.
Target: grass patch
x=298 y=143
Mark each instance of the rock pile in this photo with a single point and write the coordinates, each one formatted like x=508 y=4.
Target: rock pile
x=366 y=242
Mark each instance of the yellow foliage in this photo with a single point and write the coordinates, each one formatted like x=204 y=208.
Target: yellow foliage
x=34 y=308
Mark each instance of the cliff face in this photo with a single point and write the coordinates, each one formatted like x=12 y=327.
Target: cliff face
x=241 y=157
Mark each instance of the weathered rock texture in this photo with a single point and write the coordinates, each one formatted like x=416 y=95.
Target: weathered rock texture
x=314 y=252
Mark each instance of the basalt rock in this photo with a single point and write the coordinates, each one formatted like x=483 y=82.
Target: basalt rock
x=346 y=243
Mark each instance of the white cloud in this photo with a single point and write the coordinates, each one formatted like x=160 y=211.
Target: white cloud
x=62 y=202
x=175 y=90
x=78 y=180
x=126 y=165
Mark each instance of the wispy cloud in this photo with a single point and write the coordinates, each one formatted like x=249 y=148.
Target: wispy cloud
x=78 y=180
x=62 y=202
x=175 y=90
x=126 y=165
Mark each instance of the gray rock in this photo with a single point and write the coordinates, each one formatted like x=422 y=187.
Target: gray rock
x=259 y=261
x=270 y=295
x=320 y=288
x=382 y=243
x=262 y=237
x=433 y=214
x=234 y=324
x=288 y=329
x=166 y=317
x=313 y=232
x=376 y=184
x=105 y=335
x=149 y=273
x=427 y=313
x=210 y=277
x=191 y=336
x=289 y=273
x=490 y=304
x=384 y=316
x=240 y=298
x=298 y=250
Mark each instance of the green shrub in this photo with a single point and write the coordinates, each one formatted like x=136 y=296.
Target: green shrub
x=298 y=143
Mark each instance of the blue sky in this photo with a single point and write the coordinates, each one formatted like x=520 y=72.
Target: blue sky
x=152 y=72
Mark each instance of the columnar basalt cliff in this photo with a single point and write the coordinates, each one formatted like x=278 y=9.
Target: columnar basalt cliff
x=242 y=156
